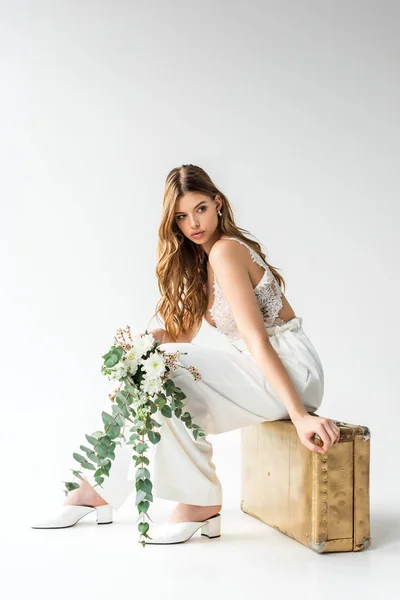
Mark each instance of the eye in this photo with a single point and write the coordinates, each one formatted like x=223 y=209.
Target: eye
x=178 y=218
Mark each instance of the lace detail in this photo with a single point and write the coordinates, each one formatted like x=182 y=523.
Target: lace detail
x=268 y=294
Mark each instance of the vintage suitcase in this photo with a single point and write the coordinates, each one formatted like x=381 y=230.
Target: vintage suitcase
x=320 y=500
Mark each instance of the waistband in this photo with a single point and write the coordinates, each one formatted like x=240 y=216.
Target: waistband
x=295 y=324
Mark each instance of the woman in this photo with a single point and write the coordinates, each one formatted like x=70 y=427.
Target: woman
x=275 y=373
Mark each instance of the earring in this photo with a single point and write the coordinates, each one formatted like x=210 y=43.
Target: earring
x=219 y=213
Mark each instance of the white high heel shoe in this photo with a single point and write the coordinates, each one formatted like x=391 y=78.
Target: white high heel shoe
x=176 y=533
x=71 y=514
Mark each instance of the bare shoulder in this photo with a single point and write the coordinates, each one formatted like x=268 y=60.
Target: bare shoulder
x=230 y=250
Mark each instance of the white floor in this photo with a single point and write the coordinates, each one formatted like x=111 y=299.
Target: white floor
x=249 y=559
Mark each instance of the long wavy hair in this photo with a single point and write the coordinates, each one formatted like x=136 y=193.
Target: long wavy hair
x=182 y=265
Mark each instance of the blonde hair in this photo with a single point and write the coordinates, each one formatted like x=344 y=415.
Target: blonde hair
x=183 y=302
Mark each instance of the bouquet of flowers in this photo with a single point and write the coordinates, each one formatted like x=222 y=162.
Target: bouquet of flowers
x=145 y=387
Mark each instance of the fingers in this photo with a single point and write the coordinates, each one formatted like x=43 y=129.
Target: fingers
x=323 y=434
x=310 y=445
x=333 y=431
x=329 y=433
x=326 y=429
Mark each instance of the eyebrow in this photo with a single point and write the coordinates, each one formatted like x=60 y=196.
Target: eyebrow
x=180 y=212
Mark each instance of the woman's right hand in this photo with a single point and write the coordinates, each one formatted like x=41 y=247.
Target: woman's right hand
x=308 y=425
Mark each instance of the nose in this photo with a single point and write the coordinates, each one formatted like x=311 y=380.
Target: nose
x=194 y=223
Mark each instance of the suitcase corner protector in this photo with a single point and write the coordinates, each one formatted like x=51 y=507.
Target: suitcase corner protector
x=366 y=435
x=318 y=547
x=365 y=544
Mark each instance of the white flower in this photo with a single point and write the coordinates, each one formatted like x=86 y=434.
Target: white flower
x=143 y=343
x=133 y=354
x=120 y=370
x=154 y=365
x=151 y=386
x=132 y=366
x=141 y=399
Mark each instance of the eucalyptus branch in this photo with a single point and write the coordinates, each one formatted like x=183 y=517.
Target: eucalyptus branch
x=146 y=387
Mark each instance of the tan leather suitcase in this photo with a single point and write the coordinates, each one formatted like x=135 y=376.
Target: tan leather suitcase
x=320 y=500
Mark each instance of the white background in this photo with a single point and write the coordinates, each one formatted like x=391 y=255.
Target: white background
x=292 y=109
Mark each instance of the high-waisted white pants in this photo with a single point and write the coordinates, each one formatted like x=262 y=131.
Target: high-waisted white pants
x=232 y=393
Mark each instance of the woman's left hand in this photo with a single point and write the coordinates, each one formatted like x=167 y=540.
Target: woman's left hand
x=158 y=334
x=308 y=425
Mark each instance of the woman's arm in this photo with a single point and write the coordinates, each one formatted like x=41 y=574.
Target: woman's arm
x=274 y=370
x=230 y=265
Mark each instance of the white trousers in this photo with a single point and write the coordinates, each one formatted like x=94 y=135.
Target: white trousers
x=232 y=393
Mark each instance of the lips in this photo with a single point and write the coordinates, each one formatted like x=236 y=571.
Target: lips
x=197 y=234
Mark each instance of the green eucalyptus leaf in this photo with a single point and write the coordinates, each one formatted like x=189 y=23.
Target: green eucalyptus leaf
x=168 y=385
x=166 y=411
x=81 y=459
x=106 y=440
x=142 y=472
x=143 y=527
x=113 y=356
x=140 y=448
x=114 y=431
x=145 y=485
x=131 y=392
x=148 y=485
x=77 y=474
x=115 y=409
x=92 y=440
x=117 y=414
x=140 y=496
x=154 y=437
x=141 y=460
x=143 y=506
x=97 y=434
x=102 y=451
x=125 y=411
x=89 y=466
x=107 y=419
x=71 y=485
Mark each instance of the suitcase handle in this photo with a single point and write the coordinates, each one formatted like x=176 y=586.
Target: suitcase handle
x=366 y=433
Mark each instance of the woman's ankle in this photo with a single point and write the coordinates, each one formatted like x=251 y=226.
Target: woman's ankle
x=85 y=494
x=193 y=512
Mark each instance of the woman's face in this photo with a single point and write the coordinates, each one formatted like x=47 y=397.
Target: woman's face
x=195 y=212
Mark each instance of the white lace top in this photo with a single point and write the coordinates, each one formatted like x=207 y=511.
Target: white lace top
x=268 y=294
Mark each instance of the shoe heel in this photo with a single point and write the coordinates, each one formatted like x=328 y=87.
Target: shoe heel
x=104 y=514
x=212 y=528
